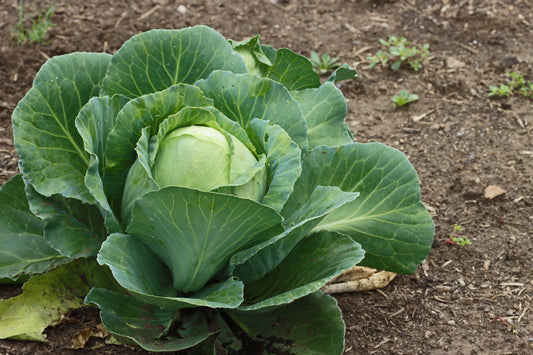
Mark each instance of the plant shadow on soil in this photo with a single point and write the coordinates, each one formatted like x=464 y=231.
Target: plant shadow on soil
x=459 y=140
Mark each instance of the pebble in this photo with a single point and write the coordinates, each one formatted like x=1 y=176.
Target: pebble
x=182 y=9
x=453 y=63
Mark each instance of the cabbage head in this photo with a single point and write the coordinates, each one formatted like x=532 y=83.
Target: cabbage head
x=216 y=181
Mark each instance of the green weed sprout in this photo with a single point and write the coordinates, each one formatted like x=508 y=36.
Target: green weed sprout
x=399 y=51
x=527 y=90
x=38 y=31
x=510 y=326
x=324 y=64
x=455 y=240
x=500 y=91
x=515 y=84
x=517 y=81
x=403 y=98
x=462 y=241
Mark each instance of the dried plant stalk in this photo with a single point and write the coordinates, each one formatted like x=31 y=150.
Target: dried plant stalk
x=359 y=278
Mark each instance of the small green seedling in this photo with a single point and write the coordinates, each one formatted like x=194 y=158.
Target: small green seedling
x=455 y=240
x=510 y=326
x=38 y=31
x=527 y=90
x=461 y=241
x=399 y=52
x=324 y=64
x=515 y=84
x=403 y=98
x=517 y=81
x=500 y=91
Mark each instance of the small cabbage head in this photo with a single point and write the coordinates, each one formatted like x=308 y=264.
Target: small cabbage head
x=202 y=158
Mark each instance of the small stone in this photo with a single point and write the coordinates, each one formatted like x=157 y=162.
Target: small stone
x=453 y=63
x=429 y=334
x=493 y=191
x=182 y=9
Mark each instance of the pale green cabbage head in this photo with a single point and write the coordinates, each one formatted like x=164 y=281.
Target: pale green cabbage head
x=202 y=158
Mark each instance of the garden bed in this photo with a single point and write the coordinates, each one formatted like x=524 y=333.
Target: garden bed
x=467 y=299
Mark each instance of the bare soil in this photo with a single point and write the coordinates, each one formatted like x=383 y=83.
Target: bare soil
x=459 y=140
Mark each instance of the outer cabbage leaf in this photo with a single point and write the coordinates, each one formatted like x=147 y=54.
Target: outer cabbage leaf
x=283 y=161
x=147 y=278
x=23 y=249
x=243 y=97
x=324 y=110
x=293 y=70
x=388 y=219
x=309 y=325
x=195 y=233
x=45 y=298
x=73 y=228
x=94 y=122
x=251 y=52
x=50 y=149
x=255 y=262
x=146 y=325
x=344 y=72
x=155 y=60
x=313 y=262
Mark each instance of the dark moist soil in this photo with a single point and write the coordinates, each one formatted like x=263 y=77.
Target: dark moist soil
x=459 y=140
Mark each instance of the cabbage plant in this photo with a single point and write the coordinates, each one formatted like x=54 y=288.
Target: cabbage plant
x=218 y=183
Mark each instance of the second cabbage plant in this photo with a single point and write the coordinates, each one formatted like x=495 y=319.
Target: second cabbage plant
x=219 y=184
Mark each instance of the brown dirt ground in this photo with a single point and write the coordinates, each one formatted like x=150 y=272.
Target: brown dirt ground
x=458 y=139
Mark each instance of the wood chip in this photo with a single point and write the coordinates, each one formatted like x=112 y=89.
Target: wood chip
x=453 y=63
x=350 y=27
x=486 y=264
x=149 y=12
x=515 y=284
x=362 y=50
x=422 y=116
x=470 y=49
x=493 y=191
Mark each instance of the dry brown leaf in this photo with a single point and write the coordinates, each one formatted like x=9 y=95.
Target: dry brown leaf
x=493 y=191
x=79 y=340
